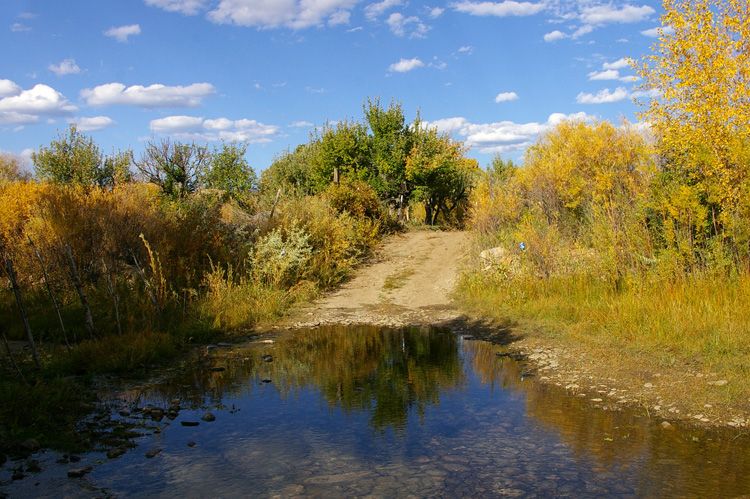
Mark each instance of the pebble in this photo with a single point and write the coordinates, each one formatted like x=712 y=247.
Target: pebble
x=79 y=472
x=153 y=452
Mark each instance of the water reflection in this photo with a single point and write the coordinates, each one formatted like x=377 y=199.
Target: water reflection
x=365 y=411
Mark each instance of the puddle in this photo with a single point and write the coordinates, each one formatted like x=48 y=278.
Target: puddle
x=364 y=411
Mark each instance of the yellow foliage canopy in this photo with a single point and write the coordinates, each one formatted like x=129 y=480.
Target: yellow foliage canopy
x=698 y=78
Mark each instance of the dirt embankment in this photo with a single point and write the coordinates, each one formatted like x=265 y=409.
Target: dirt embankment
x=409 y=281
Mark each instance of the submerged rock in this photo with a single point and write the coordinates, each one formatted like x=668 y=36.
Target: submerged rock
x=113 y=453
x=190 y=423
x=79 y=472
x=31 y=445
x=208 y=417
x=152 y=453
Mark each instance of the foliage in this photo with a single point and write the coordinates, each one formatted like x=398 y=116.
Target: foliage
x=229 y=171
x=178 y=169
x=441 y=175
x=76 y=159
x=13 y=168
x=291 y=171
x=378 y=151
x=698 y=78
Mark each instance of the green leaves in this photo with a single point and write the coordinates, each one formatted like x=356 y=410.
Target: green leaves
x=76 y=159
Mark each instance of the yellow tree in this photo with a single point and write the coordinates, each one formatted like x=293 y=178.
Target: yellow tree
x=698 y=80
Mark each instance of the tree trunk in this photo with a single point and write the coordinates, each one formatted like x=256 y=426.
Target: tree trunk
x=19 y=302
x=81 y=294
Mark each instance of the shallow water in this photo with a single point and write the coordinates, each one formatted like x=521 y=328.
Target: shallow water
x=393 y=413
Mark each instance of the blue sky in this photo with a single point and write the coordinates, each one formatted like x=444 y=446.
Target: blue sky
x=494 y=74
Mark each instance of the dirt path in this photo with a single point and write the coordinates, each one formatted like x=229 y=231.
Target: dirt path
x=407 y=282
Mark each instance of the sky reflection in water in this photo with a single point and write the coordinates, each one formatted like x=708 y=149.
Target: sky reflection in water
x=359 y=411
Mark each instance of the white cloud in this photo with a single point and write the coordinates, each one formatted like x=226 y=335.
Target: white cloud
x=554 y=36
x=405 y=65
x=374 y=10
x=609 y=74
x=466 y=49
x=302 y=124
x=28 y=106
x=658 y=31
x=506 y=96
x=436 y=12
x=603 y=14
x=274 y=13
x=618 y=64
x=19 y=28
x=502 y=137
x=339 y=17
x=94 y=123
x=195 y=128
x=188 y=7
x=121 y=33
x=150 y=97
x=499 y=9
x=603 y=96
x=66 y=67
x=398 y=24
x=9 y=88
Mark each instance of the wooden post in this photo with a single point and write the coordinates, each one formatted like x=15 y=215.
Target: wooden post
x=51 y=295
x=81 y=294
x=336 y=175
x=19 y=302
x=275 y=202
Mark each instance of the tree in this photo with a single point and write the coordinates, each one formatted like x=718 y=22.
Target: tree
x=441 y=175
x=178 y=169
x=291 y=169
x=390 y=143
x=76 y=159
x=229 y=171
x=13 y=168
x=699 y=80
x=343 y=147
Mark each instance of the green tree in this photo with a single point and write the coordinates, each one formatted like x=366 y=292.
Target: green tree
x=390 y=142
x=229 y=170
x=291 y=170
x=441 y=174
x=178 y=169
x=343 y=147
x=74 y=158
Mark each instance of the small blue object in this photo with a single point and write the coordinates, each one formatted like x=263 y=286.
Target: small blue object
x=523 y=246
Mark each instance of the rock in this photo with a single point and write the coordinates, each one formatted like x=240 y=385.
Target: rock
x=266 y=358
x=152 y=453
x=666 y=425
x=124 y=413
x=208 y=417
x=113 y=453
x=75 y=459
x=190 y=423
x=191 y=444
x=176 y=402
x=648 y=385
x=721 y=382
x=79 y=472
x=265 y=380
x=31 y=445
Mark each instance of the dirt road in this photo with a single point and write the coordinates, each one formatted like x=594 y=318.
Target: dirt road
x=407 y=282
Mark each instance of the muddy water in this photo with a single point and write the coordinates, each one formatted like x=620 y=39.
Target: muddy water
x=390 y=413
